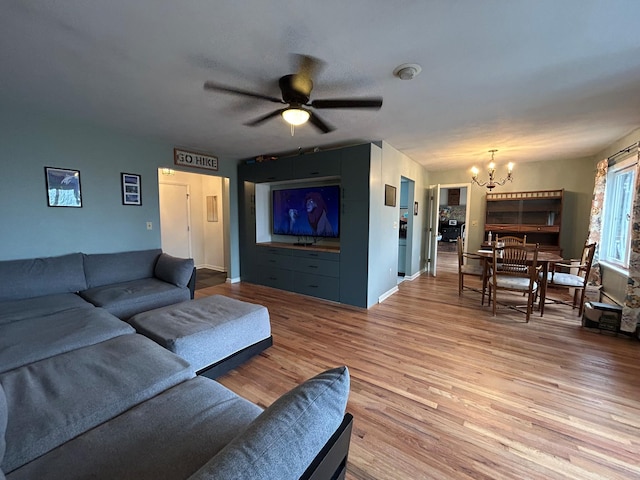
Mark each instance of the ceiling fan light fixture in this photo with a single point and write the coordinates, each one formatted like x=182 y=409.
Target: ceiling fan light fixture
x=295 y=116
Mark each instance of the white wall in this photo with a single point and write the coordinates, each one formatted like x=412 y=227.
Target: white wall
x=388 y=168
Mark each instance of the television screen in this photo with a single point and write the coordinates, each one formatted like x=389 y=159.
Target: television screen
x=307 y=212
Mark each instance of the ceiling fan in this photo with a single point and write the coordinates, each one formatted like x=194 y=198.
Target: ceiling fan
x=296 y=90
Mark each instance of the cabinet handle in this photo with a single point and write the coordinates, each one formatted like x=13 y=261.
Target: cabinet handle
x=313 y=286
x=312 y=266
x=314 y=173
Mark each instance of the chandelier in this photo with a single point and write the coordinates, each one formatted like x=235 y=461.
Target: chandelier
x=491 y=183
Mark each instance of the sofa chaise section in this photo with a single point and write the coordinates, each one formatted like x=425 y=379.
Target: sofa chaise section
x=200 y=430
x=54 y=400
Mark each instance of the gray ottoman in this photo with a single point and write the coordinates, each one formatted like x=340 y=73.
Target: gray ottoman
x=214 y=334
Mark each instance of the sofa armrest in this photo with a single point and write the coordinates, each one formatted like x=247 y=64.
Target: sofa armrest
x=331 y=461
x=174 y=270
x=192 y=283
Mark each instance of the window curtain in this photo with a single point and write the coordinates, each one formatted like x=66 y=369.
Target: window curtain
x=631 y=307
x=595 y=221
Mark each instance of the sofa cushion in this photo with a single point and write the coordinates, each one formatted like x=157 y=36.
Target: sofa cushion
x=35 y=277
x=33 y=339
x=15 y=310
x=174 y=270
x=286 y=437
x=109 y=268
x=54 y=400
x=126 y=299
x=167 y=437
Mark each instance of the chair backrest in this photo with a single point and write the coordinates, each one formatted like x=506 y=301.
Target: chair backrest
x=516 y=260
x=460 y=254
x=511 y=240
x=587 y=260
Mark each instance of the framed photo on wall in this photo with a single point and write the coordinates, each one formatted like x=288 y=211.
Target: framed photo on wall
x=131 y=189
x=390 y=195
x=63 y=187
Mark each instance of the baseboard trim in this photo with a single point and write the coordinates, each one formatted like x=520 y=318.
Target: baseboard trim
x=233 y=280
x=412 y=277
x=387 y=294
x=217 y=268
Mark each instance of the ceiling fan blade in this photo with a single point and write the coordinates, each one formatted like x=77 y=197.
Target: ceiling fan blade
x=237 y=91
x=264 y=118
x=373 y=103
x=320 y=124
x=308 y=68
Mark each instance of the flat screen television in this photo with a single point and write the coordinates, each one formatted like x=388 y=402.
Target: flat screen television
x=307 y=212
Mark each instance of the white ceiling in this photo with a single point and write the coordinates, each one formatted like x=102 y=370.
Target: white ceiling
x=536 y=79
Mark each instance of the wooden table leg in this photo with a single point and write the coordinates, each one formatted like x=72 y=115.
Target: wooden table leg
x=485 y=263
x=543 y=286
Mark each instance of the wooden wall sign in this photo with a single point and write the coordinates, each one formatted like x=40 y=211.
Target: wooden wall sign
x=194 y=160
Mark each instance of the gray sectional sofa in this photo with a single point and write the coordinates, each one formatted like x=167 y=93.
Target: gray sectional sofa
x=84 y=396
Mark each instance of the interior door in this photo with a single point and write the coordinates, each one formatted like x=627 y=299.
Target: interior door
x=434 y=217
x=175 y=229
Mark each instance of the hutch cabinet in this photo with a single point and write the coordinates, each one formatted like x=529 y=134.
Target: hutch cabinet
x=537 y=214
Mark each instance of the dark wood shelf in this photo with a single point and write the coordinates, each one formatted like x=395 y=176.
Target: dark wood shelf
x=536 y=214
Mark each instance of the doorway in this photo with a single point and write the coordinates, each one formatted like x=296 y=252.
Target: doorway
x=449 y=216
x=405 y=229
x=193 y=218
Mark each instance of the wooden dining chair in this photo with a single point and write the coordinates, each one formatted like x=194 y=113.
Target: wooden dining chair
x=560 y=278
x=465 y=267
x=518 y=272
x=511 y=240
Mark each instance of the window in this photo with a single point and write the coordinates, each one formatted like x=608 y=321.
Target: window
x=618 y=204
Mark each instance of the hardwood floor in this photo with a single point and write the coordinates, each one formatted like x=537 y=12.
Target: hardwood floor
x=440 y=389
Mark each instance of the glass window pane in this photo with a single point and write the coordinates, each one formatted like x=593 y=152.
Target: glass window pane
x=616 y=237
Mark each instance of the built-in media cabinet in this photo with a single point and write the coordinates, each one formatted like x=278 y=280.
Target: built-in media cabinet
x=536 y=214
x=334 y=269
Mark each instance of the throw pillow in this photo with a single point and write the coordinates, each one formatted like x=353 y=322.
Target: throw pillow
x=174 y=270
x=282 y=442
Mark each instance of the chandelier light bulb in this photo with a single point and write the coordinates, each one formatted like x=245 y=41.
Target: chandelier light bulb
x=491 y=182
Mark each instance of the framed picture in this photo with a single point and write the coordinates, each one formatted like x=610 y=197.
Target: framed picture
x=415 y=208
x=63 y=187
x=131 y=189
x=390 y=195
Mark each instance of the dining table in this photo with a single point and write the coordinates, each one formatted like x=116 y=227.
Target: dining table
x=545 y=260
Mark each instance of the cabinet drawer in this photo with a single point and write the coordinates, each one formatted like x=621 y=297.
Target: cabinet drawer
x=496 y=227
x=269 y=260
x=540 y=228
x=315 y=266
x=316 y=285
x=274 y=250
x=276 y=278
x=319 y=255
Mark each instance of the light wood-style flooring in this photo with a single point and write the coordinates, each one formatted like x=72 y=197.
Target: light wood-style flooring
x=440 y=389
